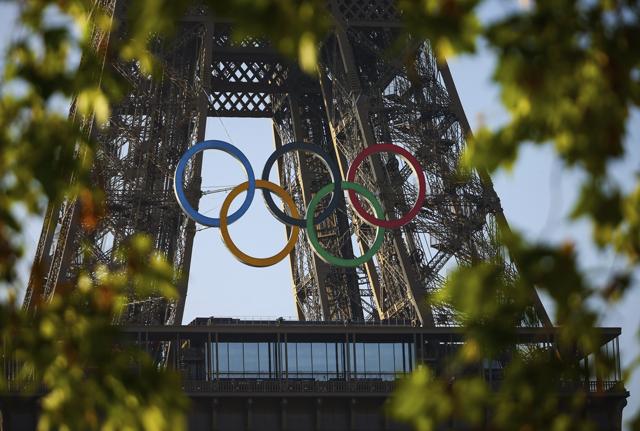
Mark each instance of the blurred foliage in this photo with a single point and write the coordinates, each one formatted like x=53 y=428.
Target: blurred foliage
x=68 y=347
x=529 y=394
x=71 y=348
x=569 y=75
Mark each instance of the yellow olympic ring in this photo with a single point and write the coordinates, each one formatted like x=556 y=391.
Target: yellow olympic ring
x=224 y=229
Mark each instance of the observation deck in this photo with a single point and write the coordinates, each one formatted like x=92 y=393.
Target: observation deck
x=279 y=374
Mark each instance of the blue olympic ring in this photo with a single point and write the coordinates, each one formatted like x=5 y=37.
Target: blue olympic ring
x=178 y=185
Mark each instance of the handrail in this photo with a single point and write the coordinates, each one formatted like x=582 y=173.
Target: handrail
x=284 y=320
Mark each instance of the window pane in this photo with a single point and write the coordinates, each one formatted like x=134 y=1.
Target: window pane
x=350 y=357
x=213 y=362
x=251 y=358
x=372 y=359
x=399 y=357
x=387 y=360
x=236 y=361
x=304 y=360
x=358 y=352
x=319 y=354
x=292 y=359
x=264 y=362
x=408 y=356
x=332 y=361
x=281 y=359
x=223 y=358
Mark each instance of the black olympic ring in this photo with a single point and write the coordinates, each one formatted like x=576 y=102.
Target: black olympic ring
x=333 y=171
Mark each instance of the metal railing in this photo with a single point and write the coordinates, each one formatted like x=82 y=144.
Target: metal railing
x=284 y=386
x=289 y=320
x=231 y=386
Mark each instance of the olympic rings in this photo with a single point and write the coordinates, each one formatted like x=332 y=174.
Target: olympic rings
x=224 y=226
x=331 y=166
x=178 y=183
x=313 y=235
x=417 y=171
x=294 y=220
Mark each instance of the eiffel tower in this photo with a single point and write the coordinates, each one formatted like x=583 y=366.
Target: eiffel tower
x=357 y=328
x=361 y=96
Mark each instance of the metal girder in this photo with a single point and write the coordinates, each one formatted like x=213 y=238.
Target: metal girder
x=134 y=162
x=332 y=293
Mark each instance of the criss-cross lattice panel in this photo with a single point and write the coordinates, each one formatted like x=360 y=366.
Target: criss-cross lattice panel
x=242 y=87
x=239 y=104
x=366 y=11
x=247 y=74
x=223 y=38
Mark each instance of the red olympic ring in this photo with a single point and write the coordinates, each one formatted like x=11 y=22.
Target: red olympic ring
x=417 y=170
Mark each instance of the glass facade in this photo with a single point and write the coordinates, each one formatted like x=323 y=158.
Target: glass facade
x=243 y=360
x=385 y=360
x=318 y=361
x=321 y=361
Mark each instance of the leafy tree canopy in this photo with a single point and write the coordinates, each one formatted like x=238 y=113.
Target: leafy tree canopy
x=569 y=77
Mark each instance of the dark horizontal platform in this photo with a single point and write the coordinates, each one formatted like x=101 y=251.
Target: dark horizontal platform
x=238 y=326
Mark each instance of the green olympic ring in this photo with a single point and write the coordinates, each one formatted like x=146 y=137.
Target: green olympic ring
x=313 y=235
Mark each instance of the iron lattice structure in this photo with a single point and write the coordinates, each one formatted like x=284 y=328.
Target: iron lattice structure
x=362 y=96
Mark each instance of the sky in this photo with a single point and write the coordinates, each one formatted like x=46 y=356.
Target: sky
x=536 y=195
